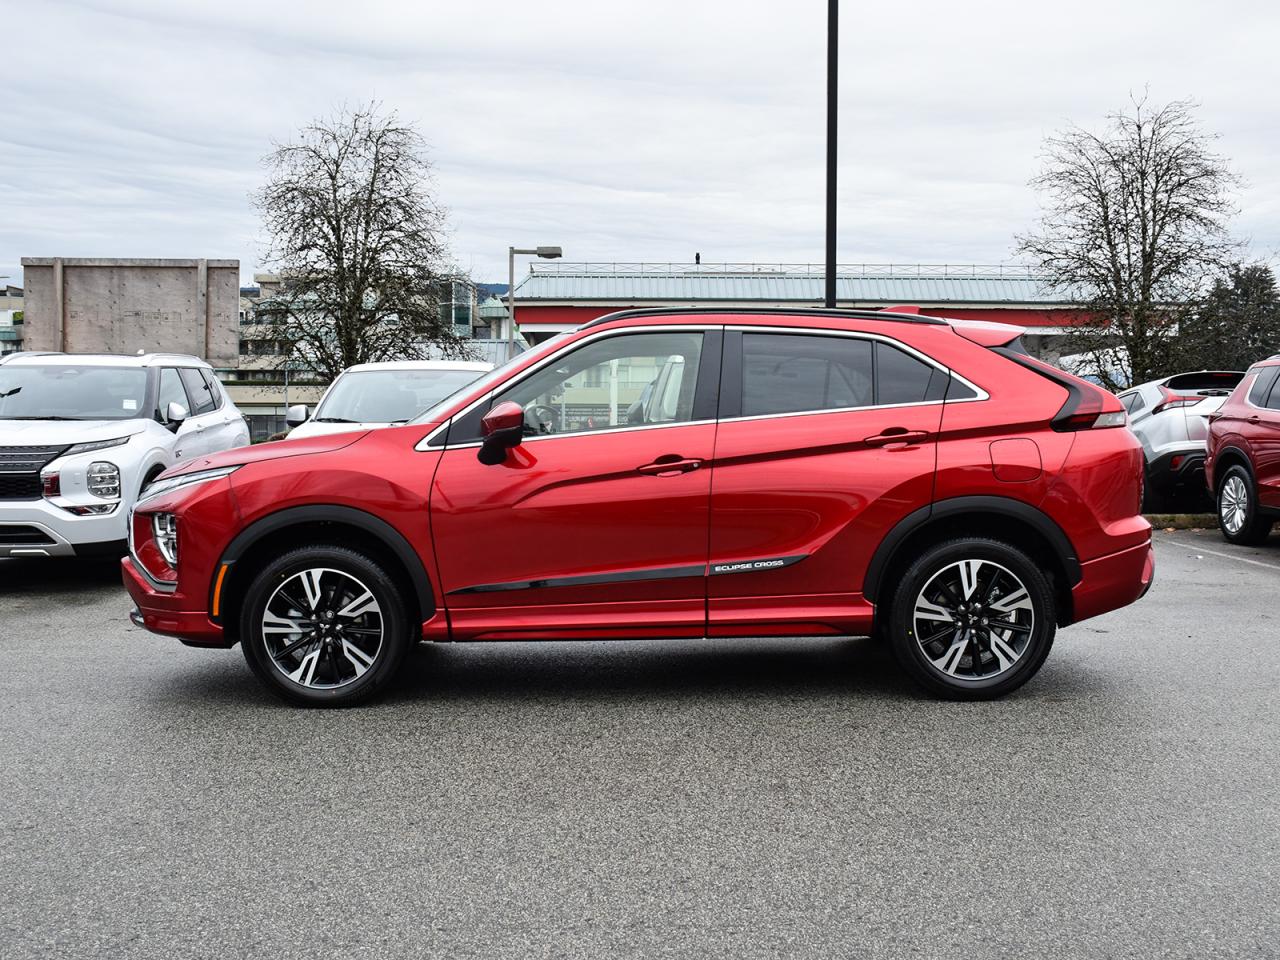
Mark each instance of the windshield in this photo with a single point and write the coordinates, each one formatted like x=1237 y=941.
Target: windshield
x=389 y=396
x=496 y=374
x=66 y=392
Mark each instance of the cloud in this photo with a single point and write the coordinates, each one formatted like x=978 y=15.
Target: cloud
x=619 y=131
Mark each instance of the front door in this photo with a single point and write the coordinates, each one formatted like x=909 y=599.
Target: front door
x=825 y=442
x=596 y=524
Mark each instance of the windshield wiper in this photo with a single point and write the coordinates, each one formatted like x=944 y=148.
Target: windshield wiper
x=41 y=418
x=333 y=420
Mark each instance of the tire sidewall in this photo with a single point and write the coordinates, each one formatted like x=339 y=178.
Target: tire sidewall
x=395 y=639
x=902 y=628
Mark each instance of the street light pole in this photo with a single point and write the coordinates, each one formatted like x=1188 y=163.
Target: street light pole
x=546 y=253
x=833 y=58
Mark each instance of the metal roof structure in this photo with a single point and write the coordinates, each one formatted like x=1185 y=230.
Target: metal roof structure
x=785 y=283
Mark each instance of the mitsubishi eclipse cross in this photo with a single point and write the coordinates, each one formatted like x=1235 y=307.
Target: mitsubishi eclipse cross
x=673 y=473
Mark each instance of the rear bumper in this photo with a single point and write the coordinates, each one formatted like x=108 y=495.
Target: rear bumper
x=1178 y=470
x=164 y=613
x=1113 y=581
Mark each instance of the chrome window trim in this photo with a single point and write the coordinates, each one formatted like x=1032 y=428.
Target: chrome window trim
x=979 y=393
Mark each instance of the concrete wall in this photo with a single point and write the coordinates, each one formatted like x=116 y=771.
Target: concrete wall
x=126 y=305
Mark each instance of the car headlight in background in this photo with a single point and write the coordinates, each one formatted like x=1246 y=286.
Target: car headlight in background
x=164 y=526
x=103 y=480
x=186 y=480
x=95 y=445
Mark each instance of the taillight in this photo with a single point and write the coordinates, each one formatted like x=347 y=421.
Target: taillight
x=1088 y=407
x=1172 y=401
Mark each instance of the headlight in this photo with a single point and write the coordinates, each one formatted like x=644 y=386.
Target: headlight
x=186 y=480
x=165 y=528
x=103 y=480
x=96 y=445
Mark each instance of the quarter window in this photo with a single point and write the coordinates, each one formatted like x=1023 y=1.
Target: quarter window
x=902 y=378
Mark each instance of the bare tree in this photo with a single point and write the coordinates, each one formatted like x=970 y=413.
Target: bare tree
x=358 y=239
x=1134 y=225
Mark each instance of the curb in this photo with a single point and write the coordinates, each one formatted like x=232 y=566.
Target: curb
x=1182 y=521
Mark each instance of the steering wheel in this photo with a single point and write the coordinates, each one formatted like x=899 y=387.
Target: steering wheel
x=541 y=418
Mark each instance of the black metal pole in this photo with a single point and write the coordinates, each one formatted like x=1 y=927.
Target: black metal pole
x=833 y=56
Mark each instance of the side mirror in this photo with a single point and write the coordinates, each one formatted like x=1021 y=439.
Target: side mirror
x=502 y=429
x=297 y=415
x=175 y=415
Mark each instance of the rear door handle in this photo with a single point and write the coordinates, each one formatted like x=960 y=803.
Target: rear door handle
x=896 y=435
x=671 y=465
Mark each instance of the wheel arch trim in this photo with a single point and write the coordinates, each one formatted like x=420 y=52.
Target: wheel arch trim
x=384 y=532
x=919 y=519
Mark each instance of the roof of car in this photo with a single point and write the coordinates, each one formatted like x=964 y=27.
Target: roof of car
x=478 y=365
x=800 y=312
x=42 y=358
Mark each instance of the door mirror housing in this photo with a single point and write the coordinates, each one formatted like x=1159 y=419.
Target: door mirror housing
x=502 y=429
x=297 y=415
x=175 y=415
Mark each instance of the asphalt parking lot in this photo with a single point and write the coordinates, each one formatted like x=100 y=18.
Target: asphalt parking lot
x=720 y=798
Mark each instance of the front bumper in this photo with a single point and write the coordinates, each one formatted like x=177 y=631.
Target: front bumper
x=169 y=613
x=37 y=528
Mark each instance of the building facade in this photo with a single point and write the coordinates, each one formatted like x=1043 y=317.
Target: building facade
x=554 y=297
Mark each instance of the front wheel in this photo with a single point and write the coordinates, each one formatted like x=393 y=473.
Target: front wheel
x=1238 y=515
x=972 y=619
x=324 y=626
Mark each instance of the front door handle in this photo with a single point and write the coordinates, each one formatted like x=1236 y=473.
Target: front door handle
x=896 y=435
x=671 y=465
x=1255 y=418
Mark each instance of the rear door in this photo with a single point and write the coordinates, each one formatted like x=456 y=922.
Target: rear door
x=199 y=433
x=1263 y=432
x=826 y=440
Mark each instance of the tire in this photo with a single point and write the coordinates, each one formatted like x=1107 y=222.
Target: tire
x=1238 y=516
x=968 y=583
x=324 y=626
x=1153 y=501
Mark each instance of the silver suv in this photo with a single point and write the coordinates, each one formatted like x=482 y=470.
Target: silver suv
x=80 y=436
x=1171 y=419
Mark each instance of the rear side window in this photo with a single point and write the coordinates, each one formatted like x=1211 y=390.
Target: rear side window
x=1262 y=386
x=790 y=373
x=1273 y=401
x=198 y=390
x=215 y=388
x=902 y=378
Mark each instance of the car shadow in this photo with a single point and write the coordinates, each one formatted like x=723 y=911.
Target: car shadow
x=60 y=574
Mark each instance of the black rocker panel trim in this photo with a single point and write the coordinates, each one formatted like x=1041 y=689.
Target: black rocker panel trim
x=1016 y=509
x=389 y=536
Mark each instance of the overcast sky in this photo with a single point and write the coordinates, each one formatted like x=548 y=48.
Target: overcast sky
x=619 y=130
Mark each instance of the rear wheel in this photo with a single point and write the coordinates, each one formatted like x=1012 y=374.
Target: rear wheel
x=324 y=626
x=1238 y=515
x=972 y=619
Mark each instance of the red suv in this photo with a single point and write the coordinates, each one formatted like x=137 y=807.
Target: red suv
x=674 y=473
x=1242 y=464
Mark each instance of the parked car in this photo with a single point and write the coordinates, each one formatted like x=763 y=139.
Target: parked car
x=1170 y=417
x=80 y=436
x=1242 y=468
x=794 y=473
x=379 y=394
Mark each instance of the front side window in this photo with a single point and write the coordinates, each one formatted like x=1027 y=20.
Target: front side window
x=201 y=397
x=171 y=391
x=630 y=380
x=67 y=392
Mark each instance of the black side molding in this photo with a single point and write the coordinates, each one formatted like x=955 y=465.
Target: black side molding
x=1015 y=509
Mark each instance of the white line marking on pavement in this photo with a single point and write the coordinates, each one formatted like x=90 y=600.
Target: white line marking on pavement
x=1230 y=556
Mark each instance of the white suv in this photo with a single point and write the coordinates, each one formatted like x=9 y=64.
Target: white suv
x=80 y=436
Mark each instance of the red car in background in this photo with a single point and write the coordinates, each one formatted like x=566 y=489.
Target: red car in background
x=674 y=473
x=1242 y=466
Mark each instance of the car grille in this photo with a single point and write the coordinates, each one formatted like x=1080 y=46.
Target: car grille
x=19 y=535
x=20 y=470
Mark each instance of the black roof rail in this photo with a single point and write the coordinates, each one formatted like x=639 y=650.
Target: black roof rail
x=768 y=312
